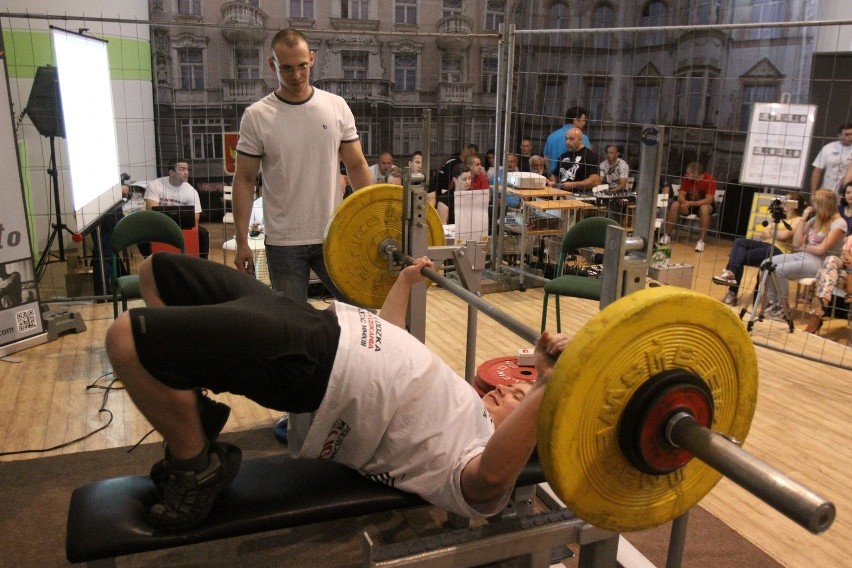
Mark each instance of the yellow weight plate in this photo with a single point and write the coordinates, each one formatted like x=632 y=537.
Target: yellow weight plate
x=354 y=233
x=624 y=345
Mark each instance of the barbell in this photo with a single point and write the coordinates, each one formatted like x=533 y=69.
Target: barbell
x=647 y=407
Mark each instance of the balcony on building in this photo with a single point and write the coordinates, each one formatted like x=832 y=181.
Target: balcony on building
x=243 y=23
x=454 y=94
x=456 y=29
x=243 y=90
x=358 y=90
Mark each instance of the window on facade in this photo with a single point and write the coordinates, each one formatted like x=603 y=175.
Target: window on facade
x=604 y=18
x=302 y=9
x=704 y=12
x=355 y=9
x=202 y=139
x=489 y=75
x=408 y=137
x=405 y=72
x=405 y=11
x=481 y=130
x=191 y=68
x=646 y=103
x=451 y=138
x=452 y=8
x=247 y=63
x=355 y=64
x=767 y=11
x=596 y=101
x=551 y=101
x=755 y=93
x=654 y=14
x=495 y=11
x=696 y=104
x=366 y=128
x=557 y=16
x=189 y=7
x=451 y=71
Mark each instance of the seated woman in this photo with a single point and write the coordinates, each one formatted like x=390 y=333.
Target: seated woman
x=836 y=272
x=818 y=235
x=752 y=252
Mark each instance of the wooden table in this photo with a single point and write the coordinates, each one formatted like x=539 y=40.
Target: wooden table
x=543 y=200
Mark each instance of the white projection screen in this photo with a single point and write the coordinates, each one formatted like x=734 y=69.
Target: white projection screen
x=86 y=95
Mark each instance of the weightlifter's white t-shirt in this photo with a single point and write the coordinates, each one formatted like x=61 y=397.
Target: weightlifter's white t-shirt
x=397 y=414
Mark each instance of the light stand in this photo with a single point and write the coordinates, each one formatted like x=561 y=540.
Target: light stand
x=58 y=226
x=767 y=270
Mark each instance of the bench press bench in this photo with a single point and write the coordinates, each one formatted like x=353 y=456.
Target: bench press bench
x=106 y=519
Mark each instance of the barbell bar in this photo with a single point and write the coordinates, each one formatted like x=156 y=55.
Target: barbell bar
x=681 y=430
x=632 y=399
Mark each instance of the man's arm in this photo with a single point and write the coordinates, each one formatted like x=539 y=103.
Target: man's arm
x=493 y=473
x=356 y=164
x=395 y=306
x=243 y=200
x=816 y=179
x=588 y=183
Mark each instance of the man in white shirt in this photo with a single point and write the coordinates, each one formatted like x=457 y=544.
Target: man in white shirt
x=614 y=170
x=833 y=161
x=174 y=189
x=382 y=403
x=380 y=170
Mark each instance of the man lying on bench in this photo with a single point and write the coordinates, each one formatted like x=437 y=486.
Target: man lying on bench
x=361 y=391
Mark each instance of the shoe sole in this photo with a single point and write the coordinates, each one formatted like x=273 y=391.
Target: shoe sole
x=721 y=282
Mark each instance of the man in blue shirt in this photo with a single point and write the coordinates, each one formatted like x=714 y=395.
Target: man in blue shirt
x=575 y=117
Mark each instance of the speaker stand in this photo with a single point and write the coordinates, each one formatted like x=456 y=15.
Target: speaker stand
x=58 y=226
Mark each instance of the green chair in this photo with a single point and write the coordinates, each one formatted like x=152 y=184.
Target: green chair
x=139 y=227
x=590 y=232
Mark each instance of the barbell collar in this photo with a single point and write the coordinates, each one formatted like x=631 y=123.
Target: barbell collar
x=794 y=500
x=523 y=331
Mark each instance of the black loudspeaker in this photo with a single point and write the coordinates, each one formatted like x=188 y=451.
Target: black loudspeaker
x=44 y=107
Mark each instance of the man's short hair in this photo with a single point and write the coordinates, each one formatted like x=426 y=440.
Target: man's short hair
x=695 y=167
x=574 y=113
x=459 y=169
x=289 y=37
x=844 y=126
x=608 y=146
x=172 y=163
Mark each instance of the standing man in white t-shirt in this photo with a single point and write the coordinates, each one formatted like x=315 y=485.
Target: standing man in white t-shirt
x=174 y=189
x=833 y=161
x=298 y=134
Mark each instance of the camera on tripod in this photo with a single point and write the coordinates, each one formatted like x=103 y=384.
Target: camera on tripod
x=776 y=209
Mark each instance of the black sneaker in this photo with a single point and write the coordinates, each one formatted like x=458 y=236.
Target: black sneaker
x=214 y=415
x=188 y=496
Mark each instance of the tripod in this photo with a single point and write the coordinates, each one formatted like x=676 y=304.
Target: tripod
x=58 y=226
x=767 y=271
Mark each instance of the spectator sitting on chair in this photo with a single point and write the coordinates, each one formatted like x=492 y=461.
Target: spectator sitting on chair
x=479 y=177
x=818 y=235
x=752 y=252
x=380 y=170
x=695 y=197
x=174 y=189
x=537 y=165
x=415 y=164
x=614 y=170
x=395 y=175
x=577 y=170
x=845 y=207
x=835 y=273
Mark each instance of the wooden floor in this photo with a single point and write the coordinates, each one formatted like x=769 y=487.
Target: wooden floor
x=801 y=425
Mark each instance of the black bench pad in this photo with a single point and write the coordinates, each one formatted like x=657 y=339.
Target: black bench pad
x=107 y=518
